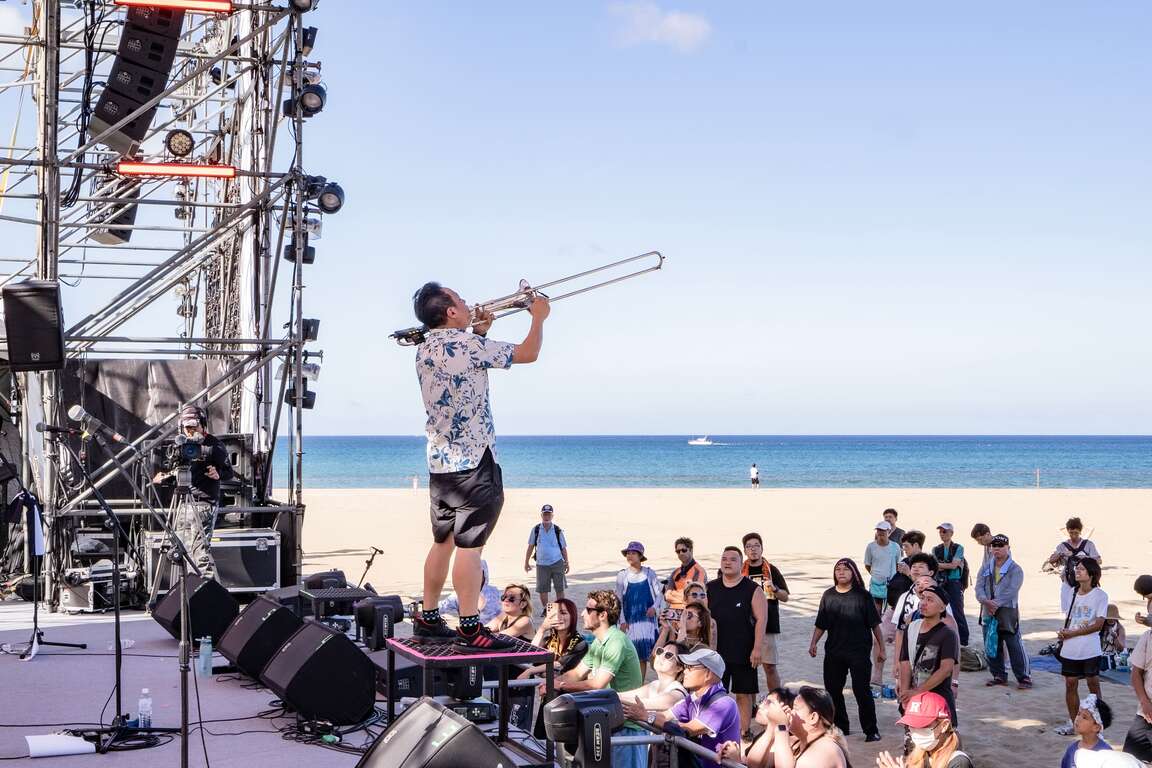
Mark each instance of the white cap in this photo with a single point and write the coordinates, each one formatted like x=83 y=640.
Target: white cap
x=144 y=691
x=945 y=527
x=883 y=525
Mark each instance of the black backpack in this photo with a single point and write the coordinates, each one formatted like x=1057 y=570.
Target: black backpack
x=1071 y=560
x=536 y=537
x=939 y=551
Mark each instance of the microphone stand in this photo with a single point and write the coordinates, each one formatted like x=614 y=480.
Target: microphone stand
x=368 y=564
x=37 y=638
x=119 y=731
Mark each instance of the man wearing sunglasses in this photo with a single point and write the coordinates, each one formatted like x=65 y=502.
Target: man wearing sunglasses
x=689 y=571
x=611 y=662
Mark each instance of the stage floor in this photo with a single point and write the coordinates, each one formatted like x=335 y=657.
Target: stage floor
x=63 y=686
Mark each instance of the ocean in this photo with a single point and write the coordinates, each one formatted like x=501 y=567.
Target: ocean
x=631 y=461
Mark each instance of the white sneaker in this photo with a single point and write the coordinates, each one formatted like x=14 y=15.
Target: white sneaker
x=1067 y=729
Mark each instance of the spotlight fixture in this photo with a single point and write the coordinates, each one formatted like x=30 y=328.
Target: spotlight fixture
x=193 y=6
x=310 y=328
x=179 y=142
x=331 y=198
x=309 y=40
x=188 y=170
x=309 y=251
x=311 y=101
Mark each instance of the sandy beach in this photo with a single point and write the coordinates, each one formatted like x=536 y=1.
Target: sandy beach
x=804 y=531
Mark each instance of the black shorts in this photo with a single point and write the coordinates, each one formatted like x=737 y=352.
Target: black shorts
x=740 y=678
x=466 y=505
x=755 y=481
x=1080 y=668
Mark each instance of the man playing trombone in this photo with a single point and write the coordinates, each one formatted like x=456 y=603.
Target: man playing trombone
x=465 y=483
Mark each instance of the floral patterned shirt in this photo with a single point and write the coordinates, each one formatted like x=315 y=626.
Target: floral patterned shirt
x=452 y=366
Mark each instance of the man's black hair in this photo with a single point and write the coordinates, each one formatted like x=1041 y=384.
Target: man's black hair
x=1143 y=585
x=685 y=541
x=749 y=536
x=894 y=512
x=1073 y=524
x=980 y=529
x=927 y=559
x=785 y=696
x=914 y=537
x=737 y=550
x=431 y=304
x=1093 y=567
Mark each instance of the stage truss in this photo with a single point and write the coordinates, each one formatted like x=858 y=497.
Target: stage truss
x=213 y=247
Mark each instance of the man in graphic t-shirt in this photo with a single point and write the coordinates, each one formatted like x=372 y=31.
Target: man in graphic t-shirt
x=771 y=581
x=930 y=652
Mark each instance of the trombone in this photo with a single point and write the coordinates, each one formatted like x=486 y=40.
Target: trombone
x=526 y=293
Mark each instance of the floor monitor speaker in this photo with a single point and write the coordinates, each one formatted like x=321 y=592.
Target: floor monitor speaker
x=255 y=636
x=428 y=735
x=210 y=605
x=322 y=675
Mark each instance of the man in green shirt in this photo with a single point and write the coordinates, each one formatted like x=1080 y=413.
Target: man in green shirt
x=611 y=662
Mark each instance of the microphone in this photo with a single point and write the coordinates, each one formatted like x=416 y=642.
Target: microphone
x=42 y=427
x=93 y=424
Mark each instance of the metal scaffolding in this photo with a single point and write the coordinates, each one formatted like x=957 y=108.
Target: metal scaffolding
x=213 y=245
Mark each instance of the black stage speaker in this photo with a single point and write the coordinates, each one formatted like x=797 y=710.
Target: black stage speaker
x=34 y=323
x=116 y=209
x=148 y=45
x=257 y=633
x=460 y=683
x=212 y=609
x=322 y=675
x=429 y=736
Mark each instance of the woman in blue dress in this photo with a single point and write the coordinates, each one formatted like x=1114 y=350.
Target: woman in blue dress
x=641 y=602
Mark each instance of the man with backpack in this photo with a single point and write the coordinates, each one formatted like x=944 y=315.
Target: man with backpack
x=547 y=544
x=952 y=575
x=1072 y=551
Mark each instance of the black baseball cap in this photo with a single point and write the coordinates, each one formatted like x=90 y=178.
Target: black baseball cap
x=999 y=540
x=546 y=508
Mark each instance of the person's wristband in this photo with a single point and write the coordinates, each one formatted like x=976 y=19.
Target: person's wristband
x=781 y=728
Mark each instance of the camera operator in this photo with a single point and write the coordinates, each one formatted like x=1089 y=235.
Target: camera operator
x=205 y=461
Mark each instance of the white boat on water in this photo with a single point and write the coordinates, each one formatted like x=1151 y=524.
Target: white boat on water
x=701 y=441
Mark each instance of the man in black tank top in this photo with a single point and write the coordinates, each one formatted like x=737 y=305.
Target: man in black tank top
x=739 y=609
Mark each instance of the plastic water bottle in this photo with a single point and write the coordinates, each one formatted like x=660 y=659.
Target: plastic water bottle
x=204 y=667
x=144 y=707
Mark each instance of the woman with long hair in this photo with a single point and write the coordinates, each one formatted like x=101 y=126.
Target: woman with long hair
x=936 y=744
x=515 y=618
x=848 y=614
x=819 y=743
x=558 y=634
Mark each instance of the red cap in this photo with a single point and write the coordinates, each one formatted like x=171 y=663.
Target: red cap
x=923 y=710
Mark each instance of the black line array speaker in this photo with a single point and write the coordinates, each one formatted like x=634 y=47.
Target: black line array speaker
x=148 y=45
x=116 y=211
x=211 y=606
x=255 y=636
x=34 y=324
x=429 y=736
x=322 y=675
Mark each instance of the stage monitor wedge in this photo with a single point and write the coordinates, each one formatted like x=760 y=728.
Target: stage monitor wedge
x=428 y=735
x=257 y=634
x=212 y=609
x=322 y=675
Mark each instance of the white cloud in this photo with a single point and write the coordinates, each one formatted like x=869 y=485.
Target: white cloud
x=644 y=22
x=12 y=22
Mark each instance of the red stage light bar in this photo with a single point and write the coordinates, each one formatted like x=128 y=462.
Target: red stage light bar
x=194 y=6
x=126 y=168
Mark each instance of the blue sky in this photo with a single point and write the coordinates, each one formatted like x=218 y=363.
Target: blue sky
x=895 y=217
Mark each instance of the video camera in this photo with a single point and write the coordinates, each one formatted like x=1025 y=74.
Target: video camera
x=181 y=452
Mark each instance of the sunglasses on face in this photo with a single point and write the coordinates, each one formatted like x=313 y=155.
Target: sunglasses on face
x=666 y=654
x=683 y=551
x=511 y=598
x=592 y=609
x=699 y=595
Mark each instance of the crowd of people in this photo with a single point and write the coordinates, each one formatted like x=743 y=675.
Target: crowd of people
x=707 y=640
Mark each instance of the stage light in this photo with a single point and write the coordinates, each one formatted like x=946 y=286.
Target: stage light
x=311 y=101
x=331 y=198
x=179 y=142
x=192 y=6
x=310 y=328
x=584 y=722
x=186 y=170
x=309 y=40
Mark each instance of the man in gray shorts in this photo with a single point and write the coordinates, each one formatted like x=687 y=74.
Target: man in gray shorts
x=547 y=544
